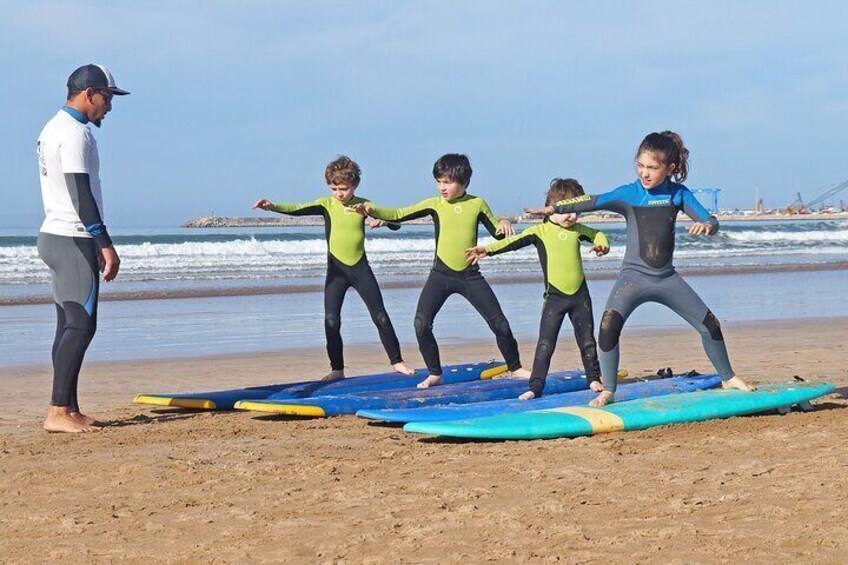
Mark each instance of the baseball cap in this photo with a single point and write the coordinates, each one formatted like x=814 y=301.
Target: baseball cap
x=95 y=76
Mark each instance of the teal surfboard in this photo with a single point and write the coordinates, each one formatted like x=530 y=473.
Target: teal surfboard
x=639 y=414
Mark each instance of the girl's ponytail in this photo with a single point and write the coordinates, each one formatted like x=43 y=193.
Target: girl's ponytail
x=668 y=146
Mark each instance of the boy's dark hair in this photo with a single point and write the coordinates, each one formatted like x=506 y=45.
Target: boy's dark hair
x=563 y=189
x=455 y=167
x=343 y=170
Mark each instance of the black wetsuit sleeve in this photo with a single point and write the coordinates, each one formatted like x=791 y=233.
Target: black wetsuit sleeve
x=393 y=226
x=523 y=239
x=79 y=186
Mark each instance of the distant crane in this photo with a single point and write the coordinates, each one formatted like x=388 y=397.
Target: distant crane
x=798 y=206
x=713 y=192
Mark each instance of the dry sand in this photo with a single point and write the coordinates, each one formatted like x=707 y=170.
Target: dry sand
x=162 y=485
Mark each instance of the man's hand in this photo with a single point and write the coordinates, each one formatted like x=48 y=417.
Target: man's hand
x=599 y=250
x=505 y=228
x=700 y=228
x=264 y=204
x=540 y=212
x=109 y=263
x=474 y=254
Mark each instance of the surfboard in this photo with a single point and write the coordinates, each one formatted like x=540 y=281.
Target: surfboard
x=225 y=399
x=337 y=405
x=511 y=406
x=626 y=416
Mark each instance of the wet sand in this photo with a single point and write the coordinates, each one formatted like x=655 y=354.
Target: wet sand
x=164 y=485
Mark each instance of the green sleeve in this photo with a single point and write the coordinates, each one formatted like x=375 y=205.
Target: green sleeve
x=488 y=219
x=423 y=208
x=596 y=237
x=517 y=241
x=390 y=225
x=314 y=208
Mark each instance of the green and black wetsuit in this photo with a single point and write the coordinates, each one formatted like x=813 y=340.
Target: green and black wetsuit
x=456 y=224
x=347 y=266
x=565 y=292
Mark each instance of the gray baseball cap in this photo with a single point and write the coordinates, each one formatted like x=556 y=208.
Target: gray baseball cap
x=94 y=76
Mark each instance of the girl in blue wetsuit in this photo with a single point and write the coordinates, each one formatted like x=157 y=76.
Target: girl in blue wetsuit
x=650 y=206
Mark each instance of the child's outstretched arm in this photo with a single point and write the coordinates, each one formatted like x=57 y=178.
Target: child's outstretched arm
x=611 y=201
x=314 y=208
x=419 y=210
x=498 y=228
x=600 y=244
x=705 y=223
x=523 y=239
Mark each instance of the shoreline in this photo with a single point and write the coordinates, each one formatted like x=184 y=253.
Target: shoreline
x=496 y=279
x=285 y=221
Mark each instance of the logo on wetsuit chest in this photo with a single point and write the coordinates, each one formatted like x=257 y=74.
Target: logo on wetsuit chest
x=457 y=209
x=666 y=201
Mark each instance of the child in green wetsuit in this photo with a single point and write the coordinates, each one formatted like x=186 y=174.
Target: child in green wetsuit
x=347 y=265
x=557 y=241
x=456 y=215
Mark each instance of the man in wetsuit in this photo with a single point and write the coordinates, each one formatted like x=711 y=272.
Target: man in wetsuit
x=73 y=240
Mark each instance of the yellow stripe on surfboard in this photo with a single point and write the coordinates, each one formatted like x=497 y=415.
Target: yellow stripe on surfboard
x=287 y=409
x=493 y=372
x=196 y=403
x=601 y=420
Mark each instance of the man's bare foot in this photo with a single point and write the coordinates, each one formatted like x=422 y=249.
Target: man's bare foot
x=738 y=384
x=59 y=419
x=432 y=380
x=519 y=374
x=334 y=376
x=606 y=397
x=596 y=386
x=402 y=368
x=529 y=395
x=85 y=419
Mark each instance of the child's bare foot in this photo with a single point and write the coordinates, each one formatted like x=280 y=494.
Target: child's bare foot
x=85 y=419
x=432 y=380
x=59 y=419
x=606 y=397
x=334 y=376
x=529 y=395
x=519 y=374
x=738 y=384
x=596 y=386
x=402 y=368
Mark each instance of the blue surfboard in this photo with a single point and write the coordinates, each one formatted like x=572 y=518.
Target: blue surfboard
x=336 y=405
x=626 y=416
x=625 y=392
x=225 y=399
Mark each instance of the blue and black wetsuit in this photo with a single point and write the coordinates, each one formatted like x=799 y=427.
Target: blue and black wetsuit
x=648 y=273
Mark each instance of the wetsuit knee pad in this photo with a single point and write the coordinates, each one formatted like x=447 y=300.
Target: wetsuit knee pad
x=544 y=348
x=713 y=326
x=423 y=326
x=500 y=326
x=333 y=323
x=382 y=319
x=610 y=332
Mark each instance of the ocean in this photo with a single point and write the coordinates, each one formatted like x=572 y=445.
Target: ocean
x=750 y=271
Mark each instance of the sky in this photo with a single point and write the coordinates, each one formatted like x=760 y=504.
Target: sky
x=232 y=101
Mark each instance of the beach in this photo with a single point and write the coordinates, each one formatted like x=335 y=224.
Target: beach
x=174 y=486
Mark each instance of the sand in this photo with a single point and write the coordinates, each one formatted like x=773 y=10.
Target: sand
x=165 y=485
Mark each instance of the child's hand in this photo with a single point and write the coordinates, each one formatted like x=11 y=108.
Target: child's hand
x=599 y=250
x=474 y=254
x=505 y=228
x=264 y=204
x=374 y=224
x=700 y=228
x=540 y=212
x=565 y=220
x=361 y=208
